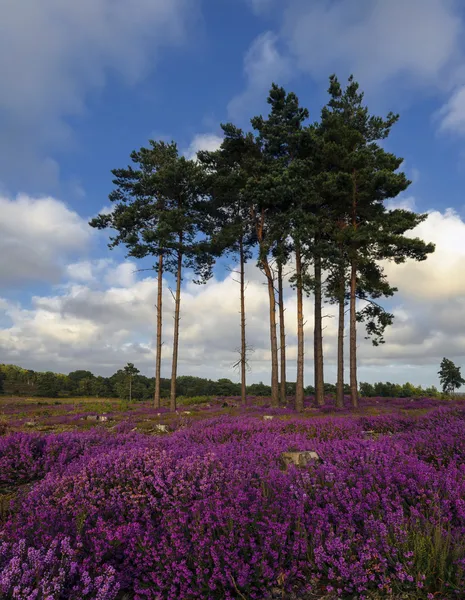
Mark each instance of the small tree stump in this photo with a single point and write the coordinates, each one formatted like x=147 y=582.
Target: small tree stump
x=299 y=459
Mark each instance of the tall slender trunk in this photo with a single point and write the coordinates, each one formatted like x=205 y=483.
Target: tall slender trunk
x=299 y=389
x=340 y=346
x=318 y=337
x=273 y=334
x=353 y=335
x=130 y=388
x=243 y=340
x=177 y=317
x=157 y=398
x=353 y=303
x=282 y=335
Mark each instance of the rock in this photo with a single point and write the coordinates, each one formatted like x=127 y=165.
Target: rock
x=368 y=434
x=299 y=459
x=124 y=596
x=29 y=423
x=92 y=418
x=186 y=412
x=162 y=428
x=268 y=417
x=102 y=418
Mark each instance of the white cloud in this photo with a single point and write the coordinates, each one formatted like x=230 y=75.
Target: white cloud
x=123 y=275
x=440 y=276
x=37 y=237
x=405 y=203
x=263 y=64
x=203 y=141
x=104 y=316
x=376 y=40
x=452 y=114
x=53 y=55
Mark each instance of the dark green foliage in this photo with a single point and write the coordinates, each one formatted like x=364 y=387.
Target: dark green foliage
x=48 y=385
x=157 y=209
x=226 y=215
x=395 y=390
x=259 y=389
x=355 y=177
x=450 y=376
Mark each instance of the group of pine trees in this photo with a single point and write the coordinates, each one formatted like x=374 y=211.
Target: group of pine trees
x=294 y=194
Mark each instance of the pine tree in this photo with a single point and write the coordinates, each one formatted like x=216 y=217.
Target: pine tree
x=359 y=176
x=130 y=371
x=229 y=226
x=281 y=137
x=450 y=376
x=261 y=211
x=157 y=215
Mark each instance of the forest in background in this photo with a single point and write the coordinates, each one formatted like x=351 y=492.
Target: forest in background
x=16 y=381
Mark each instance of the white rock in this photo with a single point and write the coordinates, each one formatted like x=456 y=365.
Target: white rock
x=300 y=459
x=268 y=417
x=163 y=428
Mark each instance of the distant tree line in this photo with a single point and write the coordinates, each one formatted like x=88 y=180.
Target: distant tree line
x=128 y=384
x=396 y=390
x=125 y=383
x=306 y=200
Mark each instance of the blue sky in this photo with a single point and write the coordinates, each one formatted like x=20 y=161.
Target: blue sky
x=84 y=84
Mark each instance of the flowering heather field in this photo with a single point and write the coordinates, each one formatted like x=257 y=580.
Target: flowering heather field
x=207 y=511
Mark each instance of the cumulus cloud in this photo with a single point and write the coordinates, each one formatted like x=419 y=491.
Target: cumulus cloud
x=104 y=316
x=440 y=276
x=376 y=40
x=263 y=63
x=414 y=43
x=37 y=237
x=203 y=141
x=54 y=54
x=452 y=114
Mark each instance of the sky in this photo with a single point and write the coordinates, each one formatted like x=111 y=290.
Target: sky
x=85 y=83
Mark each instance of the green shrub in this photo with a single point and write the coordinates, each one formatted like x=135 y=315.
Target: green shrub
x=192 y=400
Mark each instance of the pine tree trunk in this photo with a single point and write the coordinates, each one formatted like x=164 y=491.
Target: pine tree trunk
x=130 y=388
x=177 y=317
x=243 y=339
x=157 y=398
x=318 y=337
x=353 y=303
x=282 y=335
x=299 y=390
x=273 y=334
x=340 y=347
x=353 y=336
